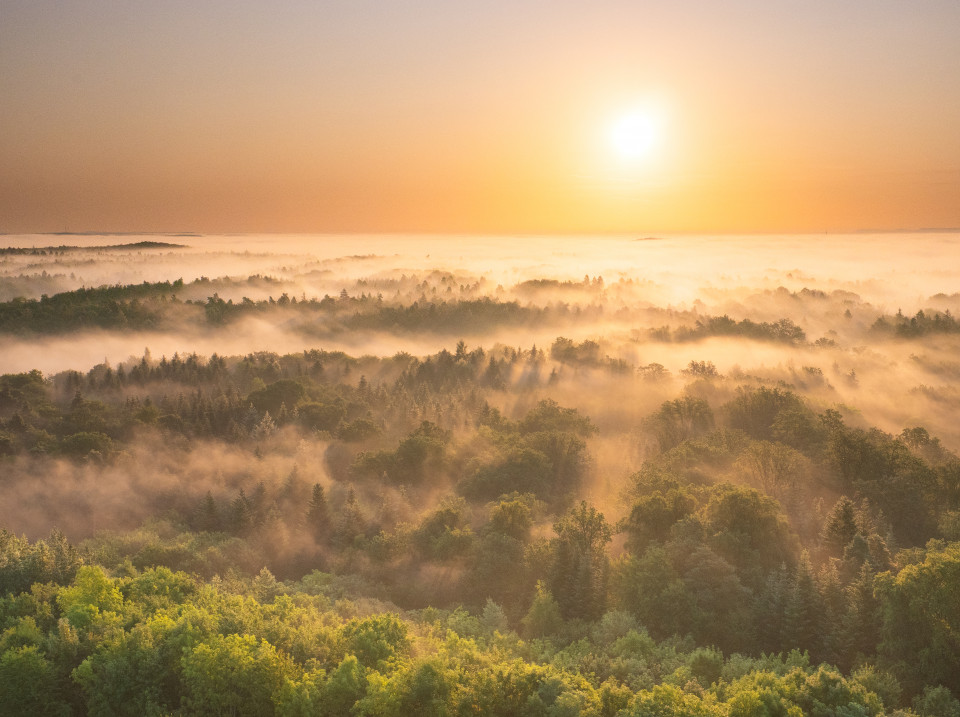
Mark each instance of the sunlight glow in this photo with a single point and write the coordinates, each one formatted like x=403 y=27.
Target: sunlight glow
x=637 y=135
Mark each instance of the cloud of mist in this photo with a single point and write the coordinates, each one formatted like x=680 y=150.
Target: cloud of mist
x=831 y=286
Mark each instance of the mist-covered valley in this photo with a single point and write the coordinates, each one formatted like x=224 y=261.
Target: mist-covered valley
x=622 y=474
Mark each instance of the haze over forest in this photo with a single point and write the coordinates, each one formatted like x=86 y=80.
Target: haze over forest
x=395 y=474
x=378 y=359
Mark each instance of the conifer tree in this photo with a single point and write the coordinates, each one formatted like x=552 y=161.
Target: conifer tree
x=580 y=569
x=241 y=518
x=804 y=611
x=208 y=518
x=352 y=523
x=861 y=624
x=318 y=514
x=834 y=601
x=544 y=617
x=839 y=528
x=770 y=608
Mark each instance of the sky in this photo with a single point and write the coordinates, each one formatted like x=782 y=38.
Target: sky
x=487 y=117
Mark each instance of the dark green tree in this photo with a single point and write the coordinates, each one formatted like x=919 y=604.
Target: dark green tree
x=580 y=566
x=352 y=524
x=839 y=528
x=318 y=514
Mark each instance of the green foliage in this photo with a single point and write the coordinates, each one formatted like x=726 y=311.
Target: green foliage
x=358 y=430
x=937 y=701
x=653 y=515
x=585 y=353
x=749 y=530
x=670 y=701
x=134 y=306
x=543 y=618
x=25 y=392
x=920 y=324
x=84 y=444
x=419 y=455
x=921 y=623
x=318 y=514
x=549 y=416
x=544 y=455
x=321 y=416
x=783 y=331
x=840 y=527
x=520 y=469
x=423 y=688
x=680 y=420
x=772 y=414
x=580 y=568
x=133 y=672
x=512 y=516
x=445 y=534
x=284 y=392
x=191 y=650
x=29 y=685
x=375 y=640
x=232 y=674
x=23 y=563
x=92 y=596
x=462 y=522
x=884 y=471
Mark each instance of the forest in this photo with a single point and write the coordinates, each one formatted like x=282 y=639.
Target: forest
x=435 y=479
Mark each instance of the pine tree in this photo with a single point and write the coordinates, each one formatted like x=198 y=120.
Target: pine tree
x=352 y=524
x=241 y=518
x=544 y=617
x=840 y=527
x=861 y=624
x=266 y=427
x=66 y=558
x=769 y=610
x=258 y=503
x=318 y=514
x=580 y=569
x=804 y=611
x=834 y=608
x=208 y=517
x=855 y=556
x=494 y=617
x=265 y=586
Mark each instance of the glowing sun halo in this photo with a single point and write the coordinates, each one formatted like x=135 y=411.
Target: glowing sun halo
x=635 y=136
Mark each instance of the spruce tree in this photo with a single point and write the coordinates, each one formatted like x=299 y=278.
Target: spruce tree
x=861 y=624
x=803 y=612
x=580 y=570
x=839 y=528
x=241 y=517
x=208 y=518
x=352 y=524
x=318 y=514
x=769 y=610
x=834 y=608
x=544 y=617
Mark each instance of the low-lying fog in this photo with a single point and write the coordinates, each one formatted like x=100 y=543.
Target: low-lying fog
x=612 y=290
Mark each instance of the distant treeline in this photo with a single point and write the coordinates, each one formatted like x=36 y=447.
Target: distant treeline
x=64 y=248
x=132 y=306
x=140 y=306
x=921 y=324
x=783 y=331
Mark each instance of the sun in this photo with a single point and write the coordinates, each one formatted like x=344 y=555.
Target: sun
x=636 y=135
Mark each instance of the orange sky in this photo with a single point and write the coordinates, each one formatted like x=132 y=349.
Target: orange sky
x=477 y=117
